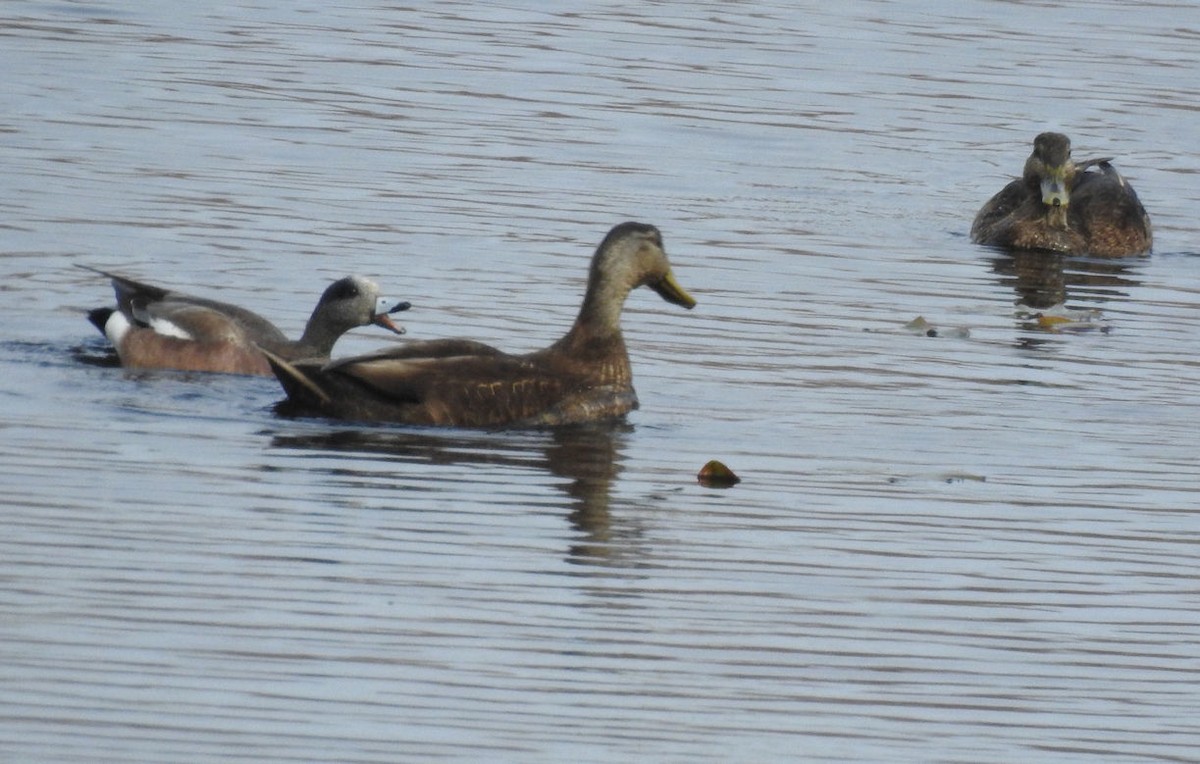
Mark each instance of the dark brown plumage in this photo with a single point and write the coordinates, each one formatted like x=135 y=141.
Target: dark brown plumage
x=1060 y=206
x=585 y=376
x=156 y=328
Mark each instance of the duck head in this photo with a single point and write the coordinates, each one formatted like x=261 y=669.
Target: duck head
x=1050 y=170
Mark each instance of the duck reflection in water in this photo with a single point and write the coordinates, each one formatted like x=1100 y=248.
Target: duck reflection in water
x=1050 y=284
x=587 y=457
x=1043 y=281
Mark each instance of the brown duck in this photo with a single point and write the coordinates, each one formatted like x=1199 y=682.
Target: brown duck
x=583 y=377
x=1060 y=206
x=156 y=328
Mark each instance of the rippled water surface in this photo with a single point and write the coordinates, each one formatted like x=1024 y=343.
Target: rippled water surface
x=980 y=545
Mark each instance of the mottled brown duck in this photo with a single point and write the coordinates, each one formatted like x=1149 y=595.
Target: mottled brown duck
x=156 y=328
x=583 y=377
x=1064 y=207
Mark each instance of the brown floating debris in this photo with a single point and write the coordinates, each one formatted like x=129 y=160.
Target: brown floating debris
x=1067 y=320
x=717 y=475
x=920 y=326
x=1049 y=322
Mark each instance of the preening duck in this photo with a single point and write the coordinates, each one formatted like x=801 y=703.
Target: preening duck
x=1060 y=206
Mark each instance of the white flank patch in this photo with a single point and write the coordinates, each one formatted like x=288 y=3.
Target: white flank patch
x=167 y=329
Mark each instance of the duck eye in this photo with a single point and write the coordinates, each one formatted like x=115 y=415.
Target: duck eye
x=343 y=290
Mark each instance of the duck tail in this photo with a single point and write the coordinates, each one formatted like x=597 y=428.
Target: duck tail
x=99 y=318
x=298 y=385
x=1111 y=172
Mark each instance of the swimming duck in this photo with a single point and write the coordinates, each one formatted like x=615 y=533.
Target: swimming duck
x=585 y=376
x=1060 y=206
x=156 y=328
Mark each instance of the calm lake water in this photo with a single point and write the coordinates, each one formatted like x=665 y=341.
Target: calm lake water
x=975 y=546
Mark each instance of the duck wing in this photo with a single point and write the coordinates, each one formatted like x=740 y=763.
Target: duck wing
x=463 y=391
x=175 y=314
x=210 y=317
x=1104 y=191
x=999 y=207
x=480 y=388
x=419 y=349
x=1108 y=212
x=1089 y=163
x=128 y=289
x=188 y=321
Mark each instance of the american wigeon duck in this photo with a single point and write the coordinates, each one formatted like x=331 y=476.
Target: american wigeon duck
x=585 y=376
x=156 y=328
x=1060 y=206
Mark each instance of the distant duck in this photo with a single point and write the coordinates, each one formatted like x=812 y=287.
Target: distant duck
x=1060 y=206
x=156 y=328
x=583 y=377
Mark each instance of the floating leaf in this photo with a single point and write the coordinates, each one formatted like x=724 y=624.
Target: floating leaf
x=717 y=475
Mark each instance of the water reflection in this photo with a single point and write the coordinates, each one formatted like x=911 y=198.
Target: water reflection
x=1050 y=287
x=588 y=459
x=95 y=353
x=1043 y=280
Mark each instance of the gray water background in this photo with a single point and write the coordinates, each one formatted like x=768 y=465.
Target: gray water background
x=976 y=546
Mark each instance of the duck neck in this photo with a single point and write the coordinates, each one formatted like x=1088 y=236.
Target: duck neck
x=1056 y=216
x=599 y=321
x=319 y=337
